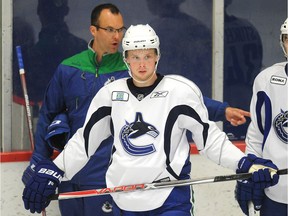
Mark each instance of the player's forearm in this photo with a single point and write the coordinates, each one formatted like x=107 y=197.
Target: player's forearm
x=74 y=157
x=220 y=150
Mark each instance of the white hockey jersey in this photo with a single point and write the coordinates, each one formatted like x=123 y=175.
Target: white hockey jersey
x=149 y=138
x=267 y=134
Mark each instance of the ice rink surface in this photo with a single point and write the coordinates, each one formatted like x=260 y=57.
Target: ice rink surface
x=213 y=199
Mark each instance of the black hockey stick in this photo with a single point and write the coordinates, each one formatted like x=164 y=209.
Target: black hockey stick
x=25 y=93
x=156 y=185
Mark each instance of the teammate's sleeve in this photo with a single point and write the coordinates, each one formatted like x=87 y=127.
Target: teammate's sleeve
x=216 y=109
x=87 y=139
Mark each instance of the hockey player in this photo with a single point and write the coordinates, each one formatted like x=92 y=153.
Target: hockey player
x=74 y=84
x=148 y=116
x=267 y=135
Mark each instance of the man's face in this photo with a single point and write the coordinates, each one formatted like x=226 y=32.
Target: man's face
x=142 y=65
x=106 y=41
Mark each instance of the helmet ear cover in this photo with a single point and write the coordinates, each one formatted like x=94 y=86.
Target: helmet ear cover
x=284 y=31
x=284 y=27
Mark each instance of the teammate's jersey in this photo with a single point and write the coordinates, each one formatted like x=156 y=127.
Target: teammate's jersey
x=150 y=141
x=267 y=135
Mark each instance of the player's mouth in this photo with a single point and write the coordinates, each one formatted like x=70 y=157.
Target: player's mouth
x=142 y=71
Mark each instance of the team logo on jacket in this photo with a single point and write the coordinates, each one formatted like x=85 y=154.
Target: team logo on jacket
x=110 y=80
x=281 y=126
x=134 y=137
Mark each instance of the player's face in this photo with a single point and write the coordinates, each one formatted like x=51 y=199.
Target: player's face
x=107 y=41
x=285 y=42
x=142 y=65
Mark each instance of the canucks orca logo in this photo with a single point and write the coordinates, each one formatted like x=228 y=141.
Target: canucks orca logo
x=110 y=80
x=281 y=126
x=134 y=130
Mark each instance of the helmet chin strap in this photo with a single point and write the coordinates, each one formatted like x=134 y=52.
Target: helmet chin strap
x=283 y=48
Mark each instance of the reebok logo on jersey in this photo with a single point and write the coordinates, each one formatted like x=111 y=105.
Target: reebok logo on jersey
x=278 y=80
x=120 y=96
x=159 y=94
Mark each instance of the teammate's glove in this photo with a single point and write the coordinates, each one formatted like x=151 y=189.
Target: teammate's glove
x=29 y=171
x=41 y=186
x=264 y=171
x=244 y=192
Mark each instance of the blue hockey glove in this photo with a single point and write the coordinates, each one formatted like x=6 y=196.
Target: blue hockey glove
x=29 y=171
x=244 y=192
x=41 y=186
x=264 y=171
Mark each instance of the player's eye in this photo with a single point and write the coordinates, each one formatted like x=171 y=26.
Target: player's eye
x=285 y=38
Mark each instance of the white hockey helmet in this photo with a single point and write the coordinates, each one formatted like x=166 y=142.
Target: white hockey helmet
x=284 y=30
x=140 y=37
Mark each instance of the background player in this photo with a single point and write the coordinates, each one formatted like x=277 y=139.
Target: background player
x=267 y=135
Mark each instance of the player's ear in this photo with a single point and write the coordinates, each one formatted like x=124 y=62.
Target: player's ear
x=158 y=58
x=126 y=61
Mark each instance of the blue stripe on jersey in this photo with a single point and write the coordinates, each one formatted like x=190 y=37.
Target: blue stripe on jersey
x=95 y=117
x=263 y=99
x=171 y=119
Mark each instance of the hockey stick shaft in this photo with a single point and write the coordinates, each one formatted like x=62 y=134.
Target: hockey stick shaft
x=25 y=93
x=156 y=185
x=26 y=99
x=251 y=211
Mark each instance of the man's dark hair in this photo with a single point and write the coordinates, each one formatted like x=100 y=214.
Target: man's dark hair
x=97 y=10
